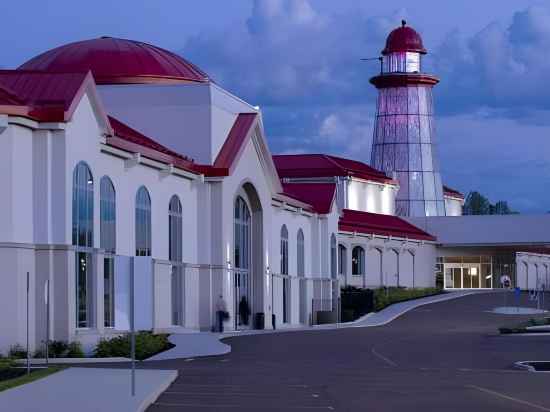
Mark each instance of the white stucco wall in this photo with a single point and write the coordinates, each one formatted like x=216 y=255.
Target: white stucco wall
x=193 y=119
x=453 y=206
x=532 y=270
x=386 y=271
x=370 y=197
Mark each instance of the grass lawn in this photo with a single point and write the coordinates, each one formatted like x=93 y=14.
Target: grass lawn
x=7 y=370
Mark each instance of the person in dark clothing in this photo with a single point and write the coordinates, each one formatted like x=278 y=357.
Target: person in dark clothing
x=244 y=311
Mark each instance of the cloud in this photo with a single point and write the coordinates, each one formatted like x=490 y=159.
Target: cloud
x=302 y=66
x=502 y=66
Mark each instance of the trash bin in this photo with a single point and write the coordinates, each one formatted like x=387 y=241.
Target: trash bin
x=259 y=321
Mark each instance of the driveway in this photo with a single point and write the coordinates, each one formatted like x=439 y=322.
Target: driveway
x=444 y=356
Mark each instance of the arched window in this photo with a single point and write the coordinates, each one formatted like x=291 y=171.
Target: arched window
x=175 y=255
x=358 y=261
x=83 y=238
x=107 y=226
x=143 y=222
x=300 y=255
x=242 y=234
x=333 y=266
x=83 y=206
x=284 y=271
x=284 y=250
x=107 y=206
x=175 y=230
x=342 y=260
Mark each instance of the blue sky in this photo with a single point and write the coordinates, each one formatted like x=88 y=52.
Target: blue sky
x=299 y=60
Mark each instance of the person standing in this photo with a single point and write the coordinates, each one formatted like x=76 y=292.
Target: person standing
x=221 y=312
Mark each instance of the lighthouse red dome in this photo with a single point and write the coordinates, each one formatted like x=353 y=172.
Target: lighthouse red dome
x=116 y=61
x=404 y=39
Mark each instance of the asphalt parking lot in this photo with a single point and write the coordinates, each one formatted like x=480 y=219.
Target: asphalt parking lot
x=445 y=356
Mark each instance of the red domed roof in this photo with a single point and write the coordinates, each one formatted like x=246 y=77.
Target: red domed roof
x=404 y=39
x=116 y=61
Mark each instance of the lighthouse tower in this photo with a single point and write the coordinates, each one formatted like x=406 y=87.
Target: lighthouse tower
x=404 y=134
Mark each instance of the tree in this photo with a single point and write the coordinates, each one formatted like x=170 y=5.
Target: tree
x=477 y=204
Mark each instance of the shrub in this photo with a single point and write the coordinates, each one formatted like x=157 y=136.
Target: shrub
x=147 y=345
x=74 y=350
x=17 y=352
x=58 y=348
x=386 y=296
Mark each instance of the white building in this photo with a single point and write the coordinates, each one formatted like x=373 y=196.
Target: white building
x=133 y=182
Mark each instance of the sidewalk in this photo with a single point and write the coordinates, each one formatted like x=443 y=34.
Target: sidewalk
x=189 y=345
x=88 y=390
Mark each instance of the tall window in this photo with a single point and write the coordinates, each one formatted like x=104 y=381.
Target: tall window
x=333 y=256
x=342 y=260
x=83 y=206
x=242 y=234
x=175 y=229
x=300 y=249
x=175 y=255
x=284 y=271
x=242 y=246
x=358 y=261
x=284 y=250
x=107 y=212
x=83 y=237
x=143 y=222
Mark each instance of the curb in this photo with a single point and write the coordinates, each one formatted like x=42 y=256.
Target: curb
x=152 y=398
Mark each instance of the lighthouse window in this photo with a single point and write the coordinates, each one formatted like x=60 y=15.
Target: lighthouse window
x=427 y=157
x=401 y=157
x=416 y=188
x=414 y=129
x=413 y=62
x=429 y=186
x=415 y=162
x=413 y=100
x=425 y=129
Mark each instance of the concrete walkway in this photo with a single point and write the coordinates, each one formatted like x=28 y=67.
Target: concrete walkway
x=191 y=345
x=88 y=390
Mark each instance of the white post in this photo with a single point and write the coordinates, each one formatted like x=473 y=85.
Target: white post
x=132 y=334
x=28 y=353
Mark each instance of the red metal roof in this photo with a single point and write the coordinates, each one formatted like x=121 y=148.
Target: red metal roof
x=114 y=61
x=447 y=191
x=319 y=195
x=404 y=39
x=41 y=96
x=383 y=225
x=235 y=140
x=322 y=165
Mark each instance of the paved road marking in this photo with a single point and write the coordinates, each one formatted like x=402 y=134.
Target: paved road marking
x=196 y=405
x=379 y=356
x=510 y=398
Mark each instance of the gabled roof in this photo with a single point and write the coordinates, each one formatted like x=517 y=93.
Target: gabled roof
x=235 y=140
x=47 y=97
x=447 y=191
x=322 y=165
x=383 y=225
x=319 y=195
